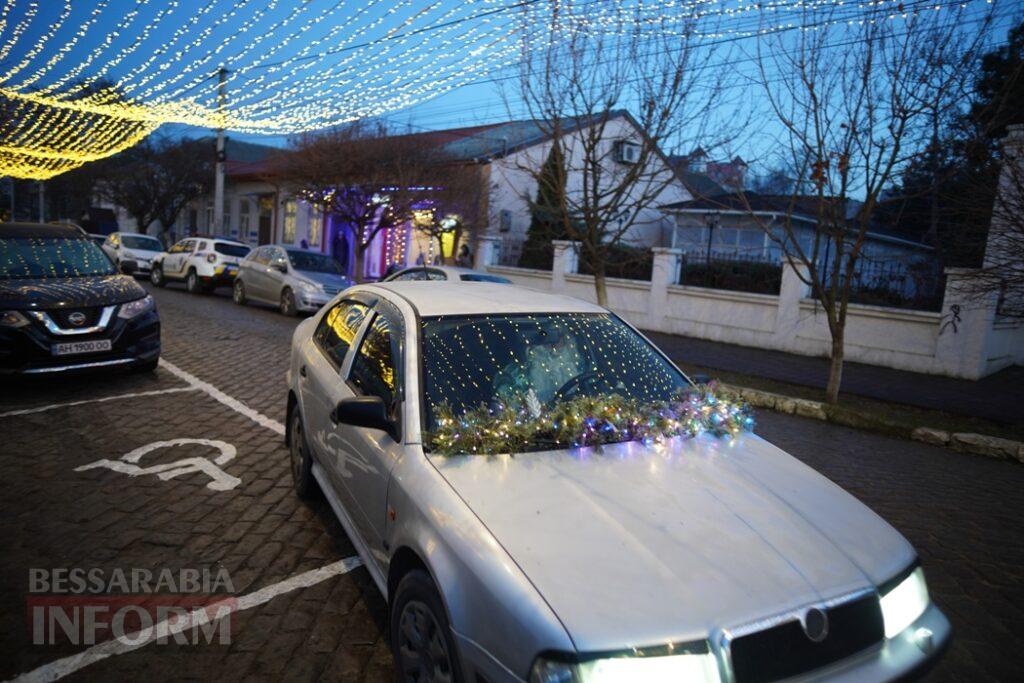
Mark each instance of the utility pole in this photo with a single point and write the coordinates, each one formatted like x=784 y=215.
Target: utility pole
x=218 y=182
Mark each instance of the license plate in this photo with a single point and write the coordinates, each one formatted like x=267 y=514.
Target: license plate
x=70 y=348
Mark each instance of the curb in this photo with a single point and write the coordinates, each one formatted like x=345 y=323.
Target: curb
x=962 y=442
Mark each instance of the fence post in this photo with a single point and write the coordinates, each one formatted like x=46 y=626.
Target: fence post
x=964 y=329
x=566 y=262
x=787 y=316
x=487 y=251
x=664 y=272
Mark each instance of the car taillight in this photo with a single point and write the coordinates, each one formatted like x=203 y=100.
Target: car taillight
x=210 y=258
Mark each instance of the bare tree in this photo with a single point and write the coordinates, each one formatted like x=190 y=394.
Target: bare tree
x=577 y=87
x=156 y=179
x=452 y=205
x=368 y=178
x=855 y=105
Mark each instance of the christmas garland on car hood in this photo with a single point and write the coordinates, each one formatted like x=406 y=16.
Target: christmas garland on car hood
x=588 y=421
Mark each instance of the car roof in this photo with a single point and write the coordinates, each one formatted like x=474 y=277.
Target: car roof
x=45 y=230
x=434 y=298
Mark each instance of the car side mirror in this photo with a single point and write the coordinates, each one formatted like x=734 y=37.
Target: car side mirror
x=362 y=411
x=129 y=267
x=279 y=267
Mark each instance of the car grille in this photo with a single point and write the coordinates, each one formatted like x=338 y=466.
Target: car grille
x=785 y=650
x=61 y=316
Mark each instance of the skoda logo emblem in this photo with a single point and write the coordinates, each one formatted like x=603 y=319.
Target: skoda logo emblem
x=77 y=319
x=815 y=623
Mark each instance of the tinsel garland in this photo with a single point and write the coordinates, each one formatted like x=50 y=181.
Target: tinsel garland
x=513 y=427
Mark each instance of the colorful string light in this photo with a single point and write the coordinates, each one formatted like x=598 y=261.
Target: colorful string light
x=100 y=75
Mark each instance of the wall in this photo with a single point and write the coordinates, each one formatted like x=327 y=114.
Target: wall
x=964 y=340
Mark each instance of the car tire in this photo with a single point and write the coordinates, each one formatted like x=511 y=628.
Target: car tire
x=300 y=460
x=147 y=366
x=287 y=305
x=238 y=293
x=192 y=283
x=156 y=276
x=421 y=637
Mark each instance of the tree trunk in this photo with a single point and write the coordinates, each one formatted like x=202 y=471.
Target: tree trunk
x=357 y=275
x=835 y=370
x=600 y=284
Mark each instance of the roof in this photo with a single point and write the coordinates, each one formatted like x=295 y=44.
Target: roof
x=44 y=230
x=434 y=298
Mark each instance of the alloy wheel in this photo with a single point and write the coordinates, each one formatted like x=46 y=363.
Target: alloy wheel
x=422 y=649
x=239 y=293
x=192 y=282
x=287 y=302
x=297 y=451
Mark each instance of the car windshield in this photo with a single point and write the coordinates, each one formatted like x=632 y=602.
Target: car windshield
x=49 y=257
x=480 y=277
x=229 y=249
x=141 y=242
x=538 y=362
x=313 y=262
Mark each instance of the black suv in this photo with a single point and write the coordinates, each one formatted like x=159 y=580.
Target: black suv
x=65 y=307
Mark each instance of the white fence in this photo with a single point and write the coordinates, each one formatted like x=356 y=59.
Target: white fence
x=965 y=339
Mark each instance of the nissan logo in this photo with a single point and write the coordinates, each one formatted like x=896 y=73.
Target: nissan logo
x=77 y=318
x=815 y=623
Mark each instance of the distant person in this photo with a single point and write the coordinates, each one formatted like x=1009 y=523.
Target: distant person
x=465 y=257
x=420 y=260
x=303 y=244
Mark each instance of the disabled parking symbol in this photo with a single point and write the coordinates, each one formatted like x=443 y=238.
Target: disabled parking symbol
x=128 y=463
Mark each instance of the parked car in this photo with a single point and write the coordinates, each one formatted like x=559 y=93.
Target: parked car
x=292 y=279
x=686 y=559
x=65 y=307
x=129 y=246
x=202 y=263
x=445 y=273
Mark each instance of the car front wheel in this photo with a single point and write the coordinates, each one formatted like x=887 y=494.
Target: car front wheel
x=156 y=276
x=420 y=634
x=238 y=293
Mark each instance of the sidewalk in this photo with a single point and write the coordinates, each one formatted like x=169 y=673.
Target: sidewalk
x=998 y=397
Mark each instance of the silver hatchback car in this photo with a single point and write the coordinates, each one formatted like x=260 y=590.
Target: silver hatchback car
x=695 y=557
x=292 y=279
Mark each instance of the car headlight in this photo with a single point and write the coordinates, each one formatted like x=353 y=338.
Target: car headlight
x=699 y=668
x=904 y=603
x=137 y=307
x=12 y=319
x=310 y=288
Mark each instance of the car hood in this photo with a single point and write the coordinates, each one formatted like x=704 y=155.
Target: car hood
x=636 y=545
x=77 y=292
x=329 y=279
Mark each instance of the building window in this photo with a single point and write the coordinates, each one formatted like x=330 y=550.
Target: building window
x=316 y=223
x=289 y=222
x=243 y=217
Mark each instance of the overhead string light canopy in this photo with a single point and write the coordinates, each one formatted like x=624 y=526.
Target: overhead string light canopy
x=81 y=80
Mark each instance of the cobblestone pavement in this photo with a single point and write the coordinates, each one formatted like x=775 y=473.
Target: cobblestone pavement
x=961 y=513
x=997 y=397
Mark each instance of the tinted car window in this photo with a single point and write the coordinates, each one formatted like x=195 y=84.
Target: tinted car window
x=313 y=262
x=410 y=275
x=373 y=370
x=229 y=249
x=51 y=257
x=142 y=242
x=338 y=328
x=480 y=277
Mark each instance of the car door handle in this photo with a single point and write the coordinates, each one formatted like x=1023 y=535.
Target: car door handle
x=302 y=371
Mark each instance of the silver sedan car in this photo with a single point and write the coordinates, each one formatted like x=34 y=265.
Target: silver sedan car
x=292 y=279
x=684 y=559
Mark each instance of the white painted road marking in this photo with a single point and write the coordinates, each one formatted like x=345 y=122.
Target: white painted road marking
x=69 y=665
x=54 y=406
x=128 y=464
x=233 y=403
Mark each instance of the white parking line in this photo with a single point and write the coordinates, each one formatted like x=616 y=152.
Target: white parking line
x=68 y=665
x=233 y=403
x=53 y=406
